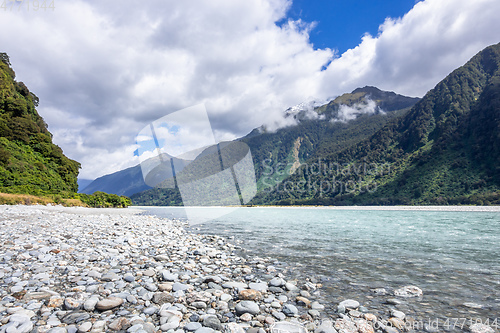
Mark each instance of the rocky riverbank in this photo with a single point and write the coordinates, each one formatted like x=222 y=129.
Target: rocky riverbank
x=91 y=270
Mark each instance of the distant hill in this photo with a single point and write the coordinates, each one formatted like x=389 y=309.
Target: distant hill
x=29 y=162
x=125 y=182
x=83 y=183
x=446 y=150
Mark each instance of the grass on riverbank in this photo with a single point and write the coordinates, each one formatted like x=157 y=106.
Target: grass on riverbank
x=97 y=200
x=27 y=199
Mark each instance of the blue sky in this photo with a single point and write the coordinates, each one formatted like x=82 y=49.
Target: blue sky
x=341 y=24
x=103 y=70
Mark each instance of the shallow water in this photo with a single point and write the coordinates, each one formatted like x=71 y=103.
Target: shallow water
x=453 y=256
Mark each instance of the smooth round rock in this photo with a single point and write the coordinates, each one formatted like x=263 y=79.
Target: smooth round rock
x=247 y=307
x=277 y=282
x=109 y=303
x=349 y=304
x=85 y=327
x=191 y=327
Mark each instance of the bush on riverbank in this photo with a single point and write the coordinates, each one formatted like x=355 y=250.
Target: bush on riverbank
x=101 y=199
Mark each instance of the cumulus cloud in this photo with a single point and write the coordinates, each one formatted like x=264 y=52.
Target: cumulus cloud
x=347 y=113
x=410 y=55
x=105 y=69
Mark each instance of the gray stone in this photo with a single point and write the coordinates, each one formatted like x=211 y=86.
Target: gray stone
x=85 y=327
x=25 y=327
x=398 y=314
x=314 y=313
x=247 y=307
x=37 y=295
x=212 y=279
x=259 y=286
x=150 y=310
x=279 y=315
x=191 y=327
x=276 y=290
x=94 y=274
x=149 y=272
x=349 y=304
x=16 y=289
x=180 y=286
x=317 y=306
x=233 y=328
x=394 y=301
x=277 y=282
x=204 y=330
x=199 y=305
x=235 y=285
x=19 y=318
x=290 y=310
x=142 y=328
x=131 y=299
x=75 y=317
x=212 y=322
x=151 y=287
x=276 y=304
x=162 y=298
x=167 y=276
x=109 y=303
x=110 y=277
x=287 y=326
x=283 y=298
x=58 y=330
x=129 y=277
x=99 y=326
x=173 y=319
x=290 y=286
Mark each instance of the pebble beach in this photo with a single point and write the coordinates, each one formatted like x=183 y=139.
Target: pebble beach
x=116 y=270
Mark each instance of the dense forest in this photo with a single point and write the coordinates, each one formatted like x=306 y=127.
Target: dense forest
x=30 y=163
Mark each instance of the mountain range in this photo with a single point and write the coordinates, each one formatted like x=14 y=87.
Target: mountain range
x=374 y=147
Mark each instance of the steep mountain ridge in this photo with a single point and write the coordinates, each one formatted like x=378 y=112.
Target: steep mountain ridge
x=445 y=150
x=29 y=162
x=284 y=149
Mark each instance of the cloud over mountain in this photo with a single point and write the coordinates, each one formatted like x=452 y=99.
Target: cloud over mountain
x=104 y=70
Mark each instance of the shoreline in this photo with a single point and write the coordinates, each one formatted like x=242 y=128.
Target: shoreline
x=75 y=269
x=374 y=208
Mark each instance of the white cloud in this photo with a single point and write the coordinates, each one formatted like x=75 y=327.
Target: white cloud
x=413 y=53
x=347 y=113
x=105 y=69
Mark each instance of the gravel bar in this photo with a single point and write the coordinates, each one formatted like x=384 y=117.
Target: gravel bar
x=115 y=270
